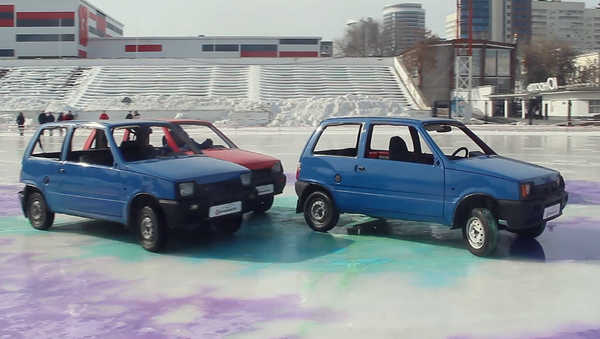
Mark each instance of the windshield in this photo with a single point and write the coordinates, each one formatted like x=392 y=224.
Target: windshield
x=456 y=142
x=205 y=136
x=144 y=142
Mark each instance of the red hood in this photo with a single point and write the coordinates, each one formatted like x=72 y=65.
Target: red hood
x=251 y=160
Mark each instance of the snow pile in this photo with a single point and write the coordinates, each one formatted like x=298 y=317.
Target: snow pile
x=9 y=103
x=309 y=112
x=173 y=103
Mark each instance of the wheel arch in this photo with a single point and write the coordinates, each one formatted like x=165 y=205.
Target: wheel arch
x=27 y=191
x=314 y=187
x=142 y=199
x=469 y=202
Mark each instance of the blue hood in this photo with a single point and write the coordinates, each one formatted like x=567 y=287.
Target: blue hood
x=506 y=168
x=201 y=169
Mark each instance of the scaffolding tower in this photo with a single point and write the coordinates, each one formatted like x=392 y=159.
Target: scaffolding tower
x=463 y=64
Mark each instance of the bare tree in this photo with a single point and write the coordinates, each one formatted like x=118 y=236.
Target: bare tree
x=421 y=54
x=549 y=58
x=363 y=39
x=587 y=73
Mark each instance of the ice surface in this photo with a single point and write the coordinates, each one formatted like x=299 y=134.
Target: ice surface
x=278 y=279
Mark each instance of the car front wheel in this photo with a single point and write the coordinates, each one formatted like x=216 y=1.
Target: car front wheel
x=531 y=233
x=153 y=233
x=320 y=212
x=264 y=204
x=481 y=231
x=37 y=212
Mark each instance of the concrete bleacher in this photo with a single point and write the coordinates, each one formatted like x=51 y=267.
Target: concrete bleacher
x=36 y=82
x=80 y=82
x=304 y=81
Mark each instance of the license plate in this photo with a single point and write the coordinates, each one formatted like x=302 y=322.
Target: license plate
x=551 y=211
x=266 y=189
x=225 y=209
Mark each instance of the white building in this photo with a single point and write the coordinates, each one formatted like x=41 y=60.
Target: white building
x=403 y=24
x=566 y=21
x=451 y=28
x=52 y=29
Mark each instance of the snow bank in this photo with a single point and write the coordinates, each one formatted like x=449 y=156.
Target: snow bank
x=288 y=112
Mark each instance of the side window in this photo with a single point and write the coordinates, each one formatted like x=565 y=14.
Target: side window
x=339 y=140
x=49 y=144
x=99 y=153
x=398 y=143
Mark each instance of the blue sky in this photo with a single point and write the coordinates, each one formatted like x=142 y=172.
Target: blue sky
x=325 y=18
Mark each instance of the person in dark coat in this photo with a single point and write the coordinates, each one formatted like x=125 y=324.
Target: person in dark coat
x=50 y=118
x=129 y=115
x=136 y=115
x=60 y=117
x=21 y=123
x=42 y=119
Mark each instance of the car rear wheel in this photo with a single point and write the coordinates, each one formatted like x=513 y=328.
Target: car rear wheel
x=531 y=233
x=153 y=233
x=481 y=231
x=37 y=212
x=264 y=204
x=230 y=225
x=320 y=212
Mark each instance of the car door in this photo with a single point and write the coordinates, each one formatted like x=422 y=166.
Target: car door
x=332 y=161
x=399 y=174
x=43 y=163
x=89 y=178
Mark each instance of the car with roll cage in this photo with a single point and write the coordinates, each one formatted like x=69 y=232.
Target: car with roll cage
x=267 y=171
x=425 y=170
x=139 y=182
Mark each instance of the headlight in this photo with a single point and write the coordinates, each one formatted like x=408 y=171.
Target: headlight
x=525 y=190
x=186 y=189
x=277 y=168
x=246 y=179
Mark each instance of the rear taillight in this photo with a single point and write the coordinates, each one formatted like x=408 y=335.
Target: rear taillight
x=297 y=172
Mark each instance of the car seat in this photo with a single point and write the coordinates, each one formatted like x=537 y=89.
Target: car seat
x=398 y=149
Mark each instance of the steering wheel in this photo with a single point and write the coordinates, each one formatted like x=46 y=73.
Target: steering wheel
x=461 y=149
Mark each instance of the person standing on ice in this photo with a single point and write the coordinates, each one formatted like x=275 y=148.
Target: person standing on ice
x=103 y=116
x=60 y=117
x=21 y=123
x=42 y=119
x=50 y=118
x=68 y=116
x=136 y=115
x=129 y=115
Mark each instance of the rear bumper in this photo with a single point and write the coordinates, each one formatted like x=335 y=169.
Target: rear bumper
x=191 y=213
x=22 y=200
x=523 y=214
x=300 y=186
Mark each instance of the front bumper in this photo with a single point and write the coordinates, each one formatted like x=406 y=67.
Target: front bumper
x=263 y=185
x=194 y=212
x=523 y=214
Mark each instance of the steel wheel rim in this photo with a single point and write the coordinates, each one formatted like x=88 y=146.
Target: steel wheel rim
x=318 y=211
x=36 y=211
x=147 y=228
x=475 y=233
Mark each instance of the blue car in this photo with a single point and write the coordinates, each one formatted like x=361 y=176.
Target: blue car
x=430 y=170
x=139 y=183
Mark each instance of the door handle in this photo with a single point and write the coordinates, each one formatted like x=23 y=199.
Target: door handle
x=360 y=168
x=46 y=180
x=62 y=170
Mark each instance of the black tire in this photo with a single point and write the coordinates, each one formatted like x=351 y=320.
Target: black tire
x=531 y=233
x=264 y=204
x=229 y=225
x=481 y=231
x=152 y=231
x=320 y=212
x=37 y=212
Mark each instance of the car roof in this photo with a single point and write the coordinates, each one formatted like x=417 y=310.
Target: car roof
x=107 y=123
x=186 y=121
x=414 y=120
